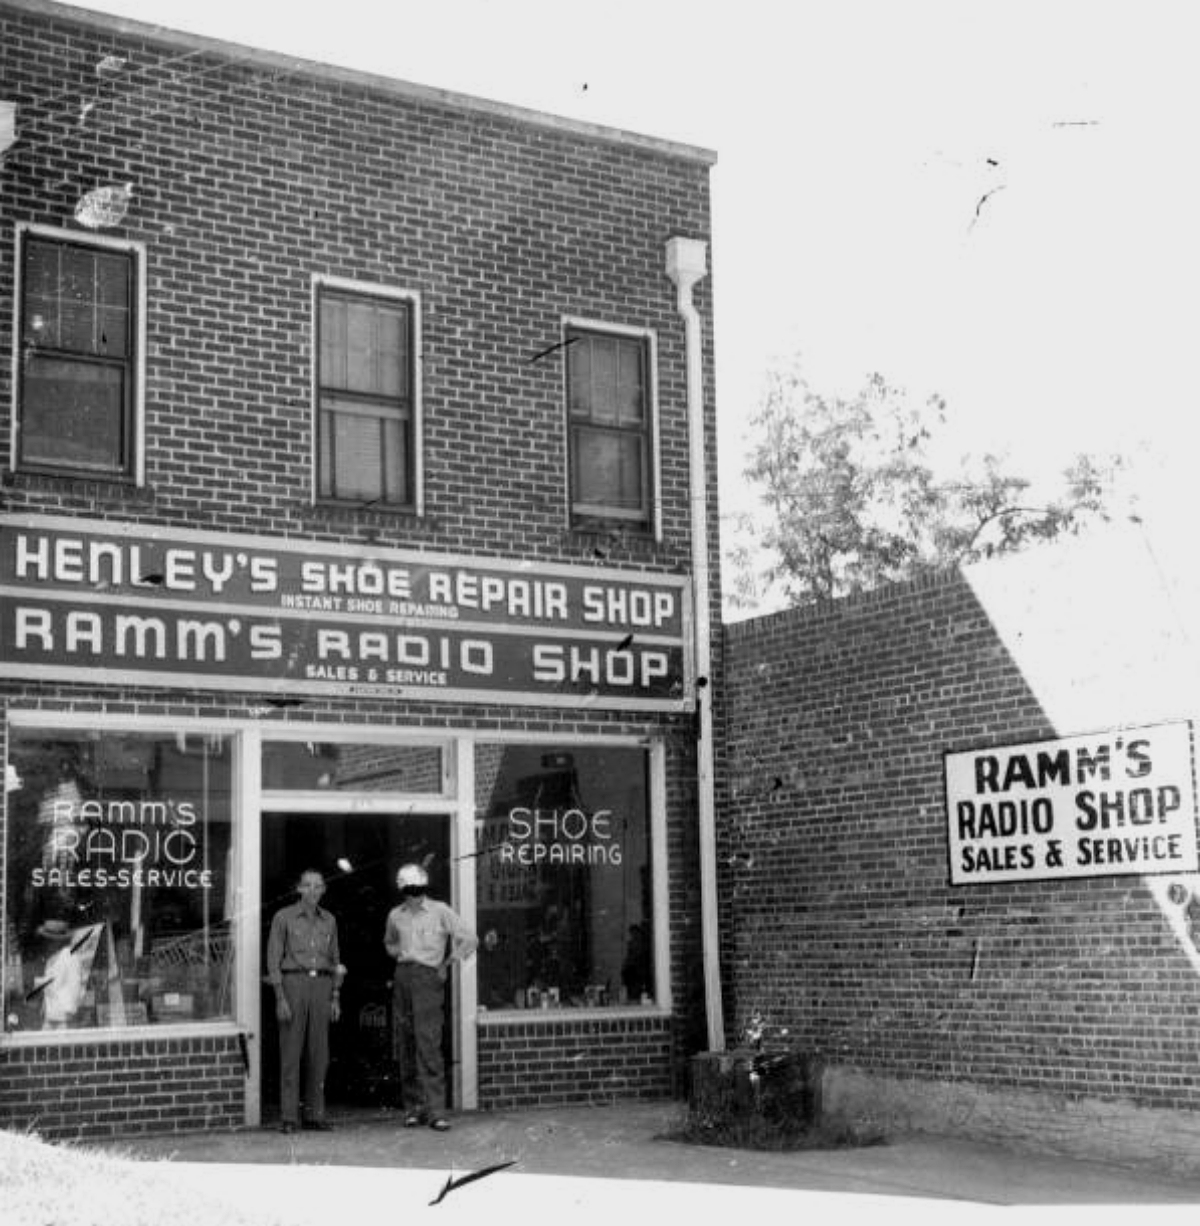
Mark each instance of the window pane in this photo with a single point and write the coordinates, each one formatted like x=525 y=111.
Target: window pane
x=332 y=369
x=74 y=414
x=41 y=284
x=631 y=397
x=608 y=467
x=363 y=452
x=77 y=299
x=579 y=371
x=604 y=380
x=360 y=348
x=312 y=766
x=364 y=347
x=563 y=879
x=392 y=355
x=119 y=880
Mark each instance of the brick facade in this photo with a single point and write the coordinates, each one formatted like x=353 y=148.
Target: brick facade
x=97 y=1089
x=562 y=1062
x=838 y=919
x=252 y=175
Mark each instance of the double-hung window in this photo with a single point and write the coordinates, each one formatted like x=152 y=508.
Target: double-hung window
x=77 y=368
x=610 y=420
x=366 y=437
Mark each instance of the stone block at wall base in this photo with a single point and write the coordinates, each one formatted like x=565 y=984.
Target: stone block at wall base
x=1089 y=1128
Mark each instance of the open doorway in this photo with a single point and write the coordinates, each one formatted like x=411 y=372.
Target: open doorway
x=359 y=854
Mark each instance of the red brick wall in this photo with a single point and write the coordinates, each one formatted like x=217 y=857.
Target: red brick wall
x=248 y=180
x=838 y=919
x=96 y=1089
x=251 y=175
x=539 y=1064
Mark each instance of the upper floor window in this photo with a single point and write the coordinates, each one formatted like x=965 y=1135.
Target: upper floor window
x=609 y=408
x=365 y=398
x=77 y=392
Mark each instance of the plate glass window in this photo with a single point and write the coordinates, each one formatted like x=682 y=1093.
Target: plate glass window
x=365 y=399
x=609 y=422
x=119 y=882
x=77 y=363
x=563 y=883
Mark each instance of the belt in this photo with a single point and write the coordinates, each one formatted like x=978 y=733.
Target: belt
x=298 y=970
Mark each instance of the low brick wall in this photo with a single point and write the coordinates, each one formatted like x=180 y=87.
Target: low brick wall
x=595 y=1060
x=108 y=1088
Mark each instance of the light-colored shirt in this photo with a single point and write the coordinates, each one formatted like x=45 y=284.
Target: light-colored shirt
x=420 y=934
x=301 y=942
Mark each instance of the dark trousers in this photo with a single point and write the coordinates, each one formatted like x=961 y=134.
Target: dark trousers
x=305 y=1039
x=418 y=1002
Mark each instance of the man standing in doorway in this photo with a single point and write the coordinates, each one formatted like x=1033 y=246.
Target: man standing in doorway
x=304 y=968
x=424 y=936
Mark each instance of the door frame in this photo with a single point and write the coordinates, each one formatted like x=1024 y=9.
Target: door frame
x=454 y=802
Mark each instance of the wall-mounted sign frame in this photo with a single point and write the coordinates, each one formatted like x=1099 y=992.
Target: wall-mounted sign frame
x=1109 y=804
x=143 y=604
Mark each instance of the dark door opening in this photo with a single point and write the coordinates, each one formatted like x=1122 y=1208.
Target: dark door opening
x=359 y=855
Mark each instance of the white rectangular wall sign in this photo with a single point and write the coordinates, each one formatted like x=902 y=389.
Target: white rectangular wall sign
x=1105 y=805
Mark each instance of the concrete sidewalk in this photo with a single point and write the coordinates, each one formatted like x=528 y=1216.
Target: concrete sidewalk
x=613 y=1144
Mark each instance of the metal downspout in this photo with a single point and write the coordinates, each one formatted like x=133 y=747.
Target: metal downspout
x=686 y=264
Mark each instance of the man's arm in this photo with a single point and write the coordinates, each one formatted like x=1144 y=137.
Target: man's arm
x=391 y=935
x=463 y=941
x=339 y=973
x=275 y=947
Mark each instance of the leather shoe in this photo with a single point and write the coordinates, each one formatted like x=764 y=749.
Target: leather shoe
x=287 y=1126
x=317 y=1126
x=414 y=1119
x=439 y=1125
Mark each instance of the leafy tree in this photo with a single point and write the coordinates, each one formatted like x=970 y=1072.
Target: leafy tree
x=852 y=498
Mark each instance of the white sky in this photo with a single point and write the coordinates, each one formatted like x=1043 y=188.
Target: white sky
x=854 y=139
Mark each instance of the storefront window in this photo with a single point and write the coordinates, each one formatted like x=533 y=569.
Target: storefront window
x=564 y=889
x=119 y=885
x=353 y=767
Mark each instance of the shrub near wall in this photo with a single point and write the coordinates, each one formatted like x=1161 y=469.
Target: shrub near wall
x=1029 y=1011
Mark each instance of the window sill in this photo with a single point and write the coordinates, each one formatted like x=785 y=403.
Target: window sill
x=334 y=515
x=547 y=1017
x=217 y=1028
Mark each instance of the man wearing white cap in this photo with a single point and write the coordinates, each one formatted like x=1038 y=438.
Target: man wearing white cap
x=424 y=936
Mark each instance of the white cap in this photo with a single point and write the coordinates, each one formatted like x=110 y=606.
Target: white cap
x=411 y=874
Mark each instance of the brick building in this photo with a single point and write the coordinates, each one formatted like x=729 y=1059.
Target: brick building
x=958 y=854
x=356 y=472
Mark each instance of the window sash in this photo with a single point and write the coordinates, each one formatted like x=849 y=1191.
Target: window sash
x=77 y=374
x=609 y=421
x=364 y=399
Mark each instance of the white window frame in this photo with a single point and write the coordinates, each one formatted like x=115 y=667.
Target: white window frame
x=633 y=332
x=138 y=409
x=369 y=289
